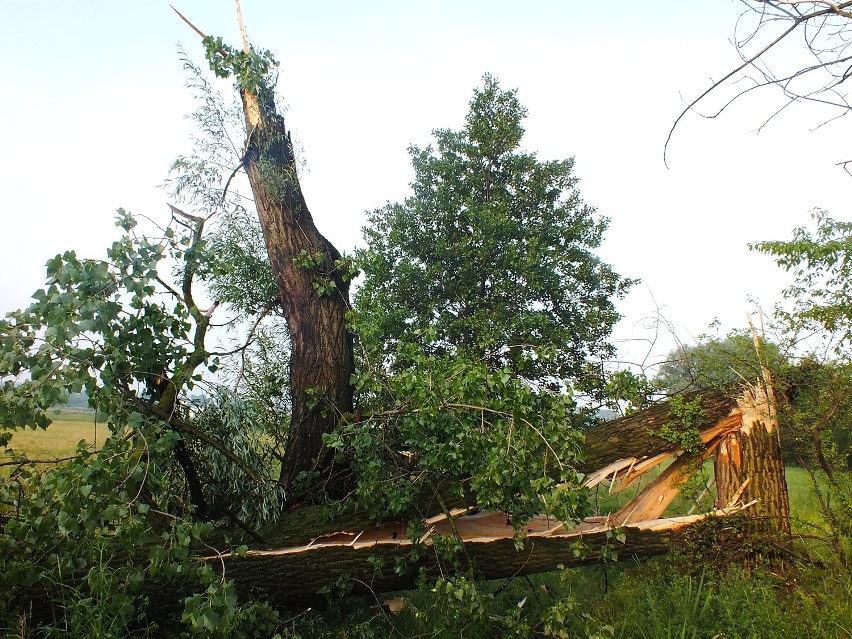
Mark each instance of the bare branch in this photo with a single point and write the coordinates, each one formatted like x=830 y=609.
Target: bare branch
x=825 y=28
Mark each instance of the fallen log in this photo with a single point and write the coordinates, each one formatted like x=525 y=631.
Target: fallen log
x=308 y=555
x=360 y=558
x=363 y=562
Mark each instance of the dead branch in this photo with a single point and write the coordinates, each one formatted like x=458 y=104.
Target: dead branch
x=824 y=27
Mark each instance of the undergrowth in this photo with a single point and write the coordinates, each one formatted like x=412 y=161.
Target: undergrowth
x=650 y=600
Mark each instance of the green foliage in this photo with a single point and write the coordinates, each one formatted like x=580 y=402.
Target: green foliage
x=207 y=179
x=818 y=412
x=62 y=529
x=821 y=264
x=242 y=276
x=252 y=70
x=215 y=614
x=716 y=363
x=460 y=427
x=815 y=422
x=628 y=392
x=85 y=535
x=248 y=428
x=97 y=324
x=656 y=601
x=683 y=430
x=492 y=254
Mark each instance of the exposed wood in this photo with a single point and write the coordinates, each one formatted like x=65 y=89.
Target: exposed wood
x=295 y=576
x=723 y=416
x=752 y=456
x=750 y=464
x=294 y=571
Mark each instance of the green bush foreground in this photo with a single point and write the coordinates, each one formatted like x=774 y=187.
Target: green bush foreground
x=673 y=596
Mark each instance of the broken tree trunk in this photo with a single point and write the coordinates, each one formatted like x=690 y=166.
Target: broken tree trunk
x=314 y=296
x=750 y=461
x=363 y=557
x=363 y=562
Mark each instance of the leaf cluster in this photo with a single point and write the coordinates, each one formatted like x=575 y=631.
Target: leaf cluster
x=252 y=69
x=821 y=264
x=461 y=430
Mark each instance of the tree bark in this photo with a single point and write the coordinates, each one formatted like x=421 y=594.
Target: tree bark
x=351 y=564
x=633 y=436
x=321 y=359
x=749 y=466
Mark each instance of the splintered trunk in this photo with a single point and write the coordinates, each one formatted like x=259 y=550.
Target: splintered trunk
x=314 y=296
x=749 y=465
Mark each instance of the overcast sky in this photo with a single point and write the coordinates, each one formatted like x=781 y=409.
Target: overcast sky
x=94 y=105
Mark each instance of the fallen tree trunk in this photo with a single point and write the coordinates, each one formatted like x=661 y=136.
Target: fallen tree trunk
x=310 y=555
x=363 y=563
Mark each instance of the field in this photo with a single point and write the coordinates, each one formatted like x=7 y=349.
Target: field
x=60 y=439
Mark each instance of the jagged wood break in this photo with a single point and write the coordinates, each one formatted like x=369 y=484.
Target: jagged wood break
x=293 y=573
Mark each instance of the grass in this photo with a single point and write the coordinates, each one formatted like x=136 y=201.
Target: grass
x=60 y=439
x=803 y=505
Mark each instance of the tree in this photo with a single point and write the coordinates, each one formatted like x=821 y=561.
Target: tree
x=310 y=273
x=750 y=461
x=715 y=363
x=492 y=255
x=454 y=413
x=138 y=342
x=818 y=325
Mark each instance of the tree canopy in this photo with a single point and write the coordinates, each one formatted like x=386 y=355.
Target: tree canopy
x=715 y=363
x=493 y=254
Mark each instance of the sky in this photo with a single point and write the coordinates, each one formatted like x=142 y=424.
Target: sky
x=94 y=111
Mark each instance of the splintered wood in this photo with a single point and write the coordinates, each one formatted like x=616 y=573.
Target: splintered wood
x=480 y=528
x=642 y=512
x=618 y=453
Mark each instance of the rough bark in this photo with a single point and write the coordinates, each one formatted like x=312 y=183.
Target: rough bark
x=296 y=576
x=750 y=466
x=321 y=358
x=632 y=436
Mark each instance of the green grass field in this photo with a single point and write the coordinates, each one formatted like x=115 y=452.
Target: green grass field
x=61 y=437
